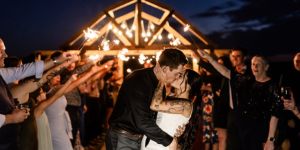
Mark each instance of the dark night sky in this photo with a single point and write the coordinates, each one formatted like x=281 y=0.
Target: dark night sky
x=47 y=24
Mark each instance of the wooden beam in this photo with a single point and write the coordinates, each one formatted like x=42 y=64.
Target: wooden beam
x=120 y=5
x=139 y=26
x=157 y=29
x=100 y=34
x=101 y=17
x=152 y=47
x=124 y=37
x=192 y=29
x=182 y=39
x=125 y=17
x=157 y=5
x=150 y=17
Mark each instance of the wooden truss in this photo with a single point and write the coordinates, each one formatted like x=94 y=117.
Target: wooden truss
x=142 y=25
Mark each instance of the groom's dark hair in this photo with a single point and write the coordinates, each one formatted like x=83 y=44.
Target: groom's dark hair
x=172 y=58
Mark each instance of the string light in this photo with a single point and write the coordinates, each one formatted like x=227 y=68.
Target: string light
x=152 y=26
x=94 y=57
x=170 y=36
x=159 y=37
x=110 y=26
x=186 y=28
x=117 y=42
x=142 y=58
x=122 y=54
x=124 y=25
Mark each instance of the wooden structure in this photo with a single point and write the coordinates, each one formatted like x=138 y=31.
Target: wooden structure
x=141 y=27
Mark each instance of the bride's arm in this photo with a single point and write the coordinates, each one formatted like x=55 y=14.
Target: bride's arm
x=169 y=106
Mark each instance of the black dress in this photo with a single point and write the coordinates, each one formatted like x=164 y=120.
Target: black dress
x=256 y=112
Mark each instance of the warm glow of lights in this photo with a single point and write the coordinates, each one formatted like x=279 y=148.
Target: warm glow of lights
x=133 y=27
x=146 y=39
x=186 y=28
x=124 y=25
x=148 y=34
x=94 y=57
x=115 y=30
x=90 y=34
x=158 y=54
x=129 y=33
x=143 y=34
x=128 y=70
x=124 y=50
x=110 y=26
x=142 y=58
x=117 y=42
x=122 y=54
x=105 y=45
x=160 y=37
x=149 y=61
x=152 y=26
x=120 y=32
x=195 y=60
x=170 y=36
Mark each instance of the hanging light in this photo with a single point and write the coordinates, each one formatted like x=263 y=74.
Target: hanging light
x=122 y=54
x=159 y=37
x=148 y=34
x=142 y=58
x=110 y=26
x=124 y=25
x=152 y=26
x=105 y=45
x=146 y=39
x=170 y=36
x=94 y=57
x=186 y=28
x=129 y=33
x=117 y=42
x=133 y=27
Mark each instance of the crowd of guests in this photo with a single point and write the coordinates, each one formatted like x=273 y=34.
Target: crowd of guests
x=65 y=101
x=46 y=103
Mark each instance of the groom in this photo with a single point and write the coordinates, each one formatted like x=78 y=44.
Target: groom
x=132 y=117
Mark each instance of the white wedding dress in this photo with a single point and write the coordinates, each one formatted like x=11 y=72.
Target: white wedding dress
x=168 y=123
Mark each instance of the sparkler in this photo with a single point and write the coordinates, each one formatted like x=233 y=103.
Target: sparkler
x=89 y=35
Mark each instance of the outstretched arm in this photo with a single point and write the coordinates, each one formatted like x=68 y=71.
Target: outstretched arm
x=22 y=90
x=220 y=68
x=95 y=69
x=44 y=104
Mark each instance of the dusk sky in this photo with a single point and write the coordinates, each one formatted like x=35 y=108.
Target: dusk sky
x=47 y=24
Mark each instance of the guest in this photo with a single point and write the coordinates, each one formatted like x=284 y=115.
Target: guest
x=9 y=116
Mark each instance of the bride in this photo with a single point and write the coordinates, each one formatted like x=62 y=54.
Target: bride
x=176 y=110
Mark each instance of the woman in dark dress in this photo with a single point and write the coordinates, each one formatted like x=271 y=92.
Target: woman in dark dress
x=260 y=112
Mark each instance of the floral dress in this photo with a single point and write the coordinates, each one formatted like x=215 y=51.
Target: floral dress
x=209 y=133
